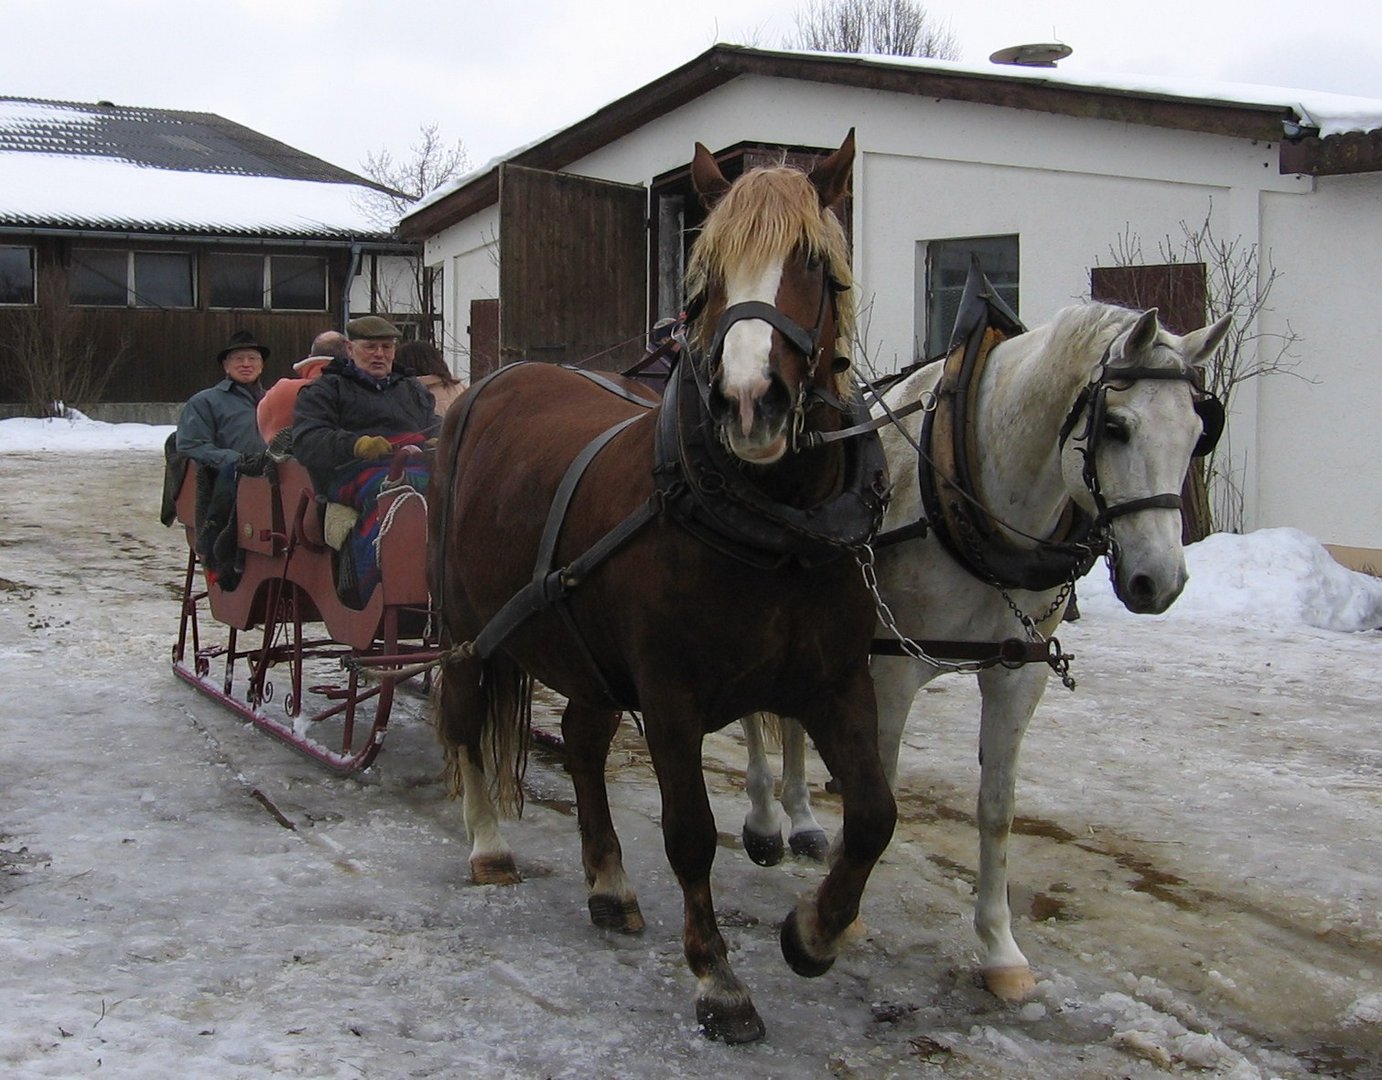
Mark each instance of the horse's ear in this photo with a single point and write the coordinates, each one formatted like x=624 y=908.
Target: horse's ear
x=1200 y=345
x=709 y=181
x=831 y=177
x=1143 y=333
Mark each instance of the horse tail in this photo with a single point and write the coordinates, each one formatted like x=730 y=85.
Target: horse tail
x=484 y=709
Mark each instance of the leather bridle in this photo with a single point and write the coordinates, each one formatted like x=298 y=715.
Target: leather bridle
x=1092 y=403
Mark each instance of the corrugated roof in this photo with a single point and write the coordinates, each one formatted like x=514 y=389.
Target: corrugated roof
x=67 y=164
x=157 y=139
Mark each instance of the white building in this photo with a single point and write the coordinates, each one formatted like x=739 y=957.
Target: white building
x=1048 y=176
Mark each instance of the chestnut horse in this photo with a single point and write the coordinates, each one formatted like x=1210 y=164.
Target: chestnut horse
x=693 y=564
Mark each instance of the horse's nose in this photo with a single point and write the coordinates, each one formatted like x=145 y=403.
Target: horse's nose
x=1148 y=594
x=1141 y=591
x=766 y=400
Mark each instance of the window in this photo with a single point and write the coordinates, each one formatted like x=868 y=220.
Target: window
x=16 y=275
x=277 y=282
x=149 y=279
x=297 y=283
x=946 y=266
x=235 y=281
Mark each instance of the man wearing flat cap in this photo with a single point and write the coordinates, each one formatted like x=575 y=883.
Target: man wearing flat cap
x=218 y=426
x=349 y=422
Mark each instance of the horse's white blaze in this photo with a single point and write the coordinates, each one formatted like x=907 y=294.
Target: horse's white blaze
x=744 y=367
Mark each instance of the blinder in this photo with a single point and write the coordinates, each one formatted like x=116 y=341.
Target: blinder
x=1211 y=413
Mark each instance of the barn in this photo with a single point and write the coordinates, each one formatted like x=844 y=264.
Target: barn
x=1147 y=191
x=135 y=240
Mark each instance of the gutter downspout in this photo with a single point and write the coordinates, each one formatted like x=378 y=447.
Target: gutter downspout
x=350 y=279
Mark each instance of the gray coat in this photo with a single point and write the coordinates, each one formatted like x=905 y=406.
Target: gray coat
x=218 y=424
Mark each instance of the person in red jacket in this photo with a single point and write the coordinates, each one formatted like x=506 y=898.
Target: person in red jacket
x=275 y=411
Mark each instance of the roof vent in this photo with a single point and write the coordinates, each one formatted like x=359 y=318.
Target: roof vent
x=1042 y=55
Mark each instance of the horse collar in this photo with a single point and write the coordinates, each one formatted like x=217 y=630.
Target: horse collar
x=966 y=528
x=710 y=495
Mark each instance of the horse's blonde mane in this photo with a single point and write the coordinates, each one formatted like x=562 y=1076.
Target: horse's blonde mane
x=764 y=215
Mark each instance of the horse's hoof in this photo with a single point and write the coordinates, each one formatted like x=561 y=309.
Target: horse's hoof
x=611 y=913
x=494 y=870
x=794 y=952
x=764 y=849
x=1009 y=983
x=810 y=844
x=736 y=1022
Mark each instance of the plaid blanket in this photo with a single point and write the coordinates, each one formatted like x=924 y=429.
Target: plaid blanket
x=360 y=486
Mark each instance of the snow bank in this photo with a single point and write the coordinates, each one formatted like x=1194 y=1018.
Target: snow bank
x=1282 y=576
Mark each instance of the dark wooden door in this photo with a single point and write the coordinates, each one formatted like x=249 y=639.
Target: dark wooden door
x=484 y=338
x=572 y=269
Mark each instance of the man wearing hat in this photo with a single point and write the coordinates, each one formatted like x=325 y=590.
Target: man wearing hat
x=218 y=425
x=348 y=423
x=275 y=411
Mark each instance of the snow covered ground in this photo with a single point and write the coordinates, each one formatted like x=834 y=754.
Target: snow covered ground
x=1196 y=871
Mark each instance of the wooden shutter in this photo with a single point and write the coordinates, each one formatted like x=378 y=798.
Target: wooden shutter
x=572 y=269
x=1176 y=290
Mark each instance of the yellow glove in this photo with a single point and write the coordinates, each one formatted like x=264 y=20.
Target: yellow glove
x=372 y=447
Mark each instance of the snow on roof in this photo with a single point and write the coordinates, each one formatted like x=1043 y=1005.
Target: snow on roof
x=102 y=166
x=75 y=192
x=1329 y=114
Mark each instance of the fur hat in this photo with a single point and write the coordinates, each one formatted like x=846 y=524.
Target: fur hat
x=242 y=339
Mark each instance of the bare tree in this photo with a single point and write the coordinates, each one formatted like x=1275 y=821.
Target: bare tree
x=1238 y=282
x=55 y=360
x=431 y=162
x=886 y=27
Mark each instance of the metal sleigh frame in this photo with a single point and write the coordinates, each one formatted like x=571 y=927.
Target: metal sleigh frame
x=286 y=589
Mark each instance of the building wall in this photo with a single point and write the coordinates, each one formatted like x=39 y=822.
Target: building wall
x=1072 y=190
x=1318 y=424
x=468 y=256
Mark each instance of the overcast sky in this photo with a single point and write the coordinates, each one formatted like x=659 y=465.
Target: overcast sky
x=340 y=78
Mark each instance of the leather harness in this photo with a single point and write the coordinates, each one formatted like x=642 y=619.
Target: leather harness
x=698 y=485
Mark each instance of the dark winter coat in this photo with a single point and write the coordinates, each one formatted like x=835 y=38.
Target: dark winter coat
x=218 y=425
x=343 y=403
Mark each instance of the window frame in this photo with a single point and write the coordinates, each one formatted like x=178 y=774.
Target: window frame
x=934 y=333
x=33 y=275
x=267 y=282
x=132 y=299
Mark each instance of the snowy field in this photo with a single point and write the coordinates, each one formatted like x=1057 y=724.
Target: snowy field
x=1197 y=873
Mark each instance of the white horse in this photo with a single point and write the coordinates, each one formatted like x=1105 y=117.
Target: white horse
x=1094 y=415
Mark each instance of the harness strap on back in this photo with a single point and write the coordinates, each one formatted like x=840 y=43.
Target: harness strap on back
x=551 y=585
x=615 y=388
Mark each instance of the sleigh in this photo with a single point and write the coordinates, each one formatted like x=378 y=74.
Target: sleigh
x=281 y=647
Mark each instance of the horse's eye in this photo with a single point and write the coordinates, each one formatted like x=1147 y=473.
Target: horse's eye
x=1116 y=428
x=813 y=261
